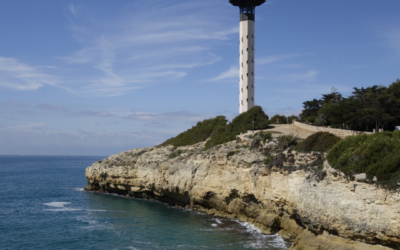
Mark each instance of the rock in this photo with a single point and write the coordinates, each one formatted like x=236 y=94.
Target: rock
x=308 y=241
x=360 y=177
x=275 y=199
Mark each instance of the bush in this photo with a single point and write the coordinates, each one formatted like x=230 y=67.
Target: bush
x=198 y=133
x=310 y=119
x=286 y=141
x=176 y=153
x=321 y=141
x=231 y=153
x=376 y=155
x=282 y=119
x=241 y=124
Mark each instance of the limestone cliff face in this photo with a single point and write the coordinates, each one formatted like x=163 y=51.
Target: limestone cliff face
x=318 y=210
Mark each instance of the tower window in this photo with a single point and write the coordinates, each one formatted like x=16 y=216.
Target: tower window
x=242 y=90
x=242 y=102
x=247 y=37
x=247 y=74
x=247 y=62
x=247 y=99
x=252 y=35
x=252 y=60
x=242 y=52
x=252 y=98
x=242 y=65
x=242 y=39
x=242 y=77
x=252 y=73
x=247 y=87
x=247 y=49
x=252 y=48
x=252 y=86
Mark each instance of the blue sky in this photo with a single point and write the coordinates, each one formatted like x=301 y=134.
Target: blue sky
x=99 y=77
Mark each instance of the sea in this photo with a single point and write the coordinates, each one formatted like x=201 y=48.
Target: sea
x=43 y=206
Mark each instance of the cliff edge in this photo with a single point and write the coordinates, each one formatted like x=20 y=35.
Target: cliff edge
x=314 y=208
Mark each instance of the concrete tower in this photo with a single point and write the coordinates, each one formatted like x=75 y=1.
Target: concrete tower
x=246 y=86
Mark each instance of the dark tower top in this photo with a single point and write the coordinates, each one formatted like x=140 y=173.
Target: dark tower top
x=247 y=8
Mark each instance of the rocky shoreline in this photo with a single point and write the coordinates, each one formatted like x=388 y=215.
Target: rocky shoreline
x=298 y=197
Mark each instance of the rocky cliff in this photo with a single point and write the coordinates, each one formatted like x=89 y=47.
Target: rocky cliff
x=291 y=195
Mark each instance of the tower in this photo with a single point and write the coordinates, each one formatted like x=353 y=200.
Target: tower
x=246 y=86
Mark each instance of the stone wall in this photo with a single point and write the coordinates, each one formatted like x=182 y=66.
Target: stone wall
x=342 y=133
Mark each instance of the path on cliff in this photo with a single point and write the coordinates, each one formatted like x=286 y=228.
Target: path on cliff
x=284 y=129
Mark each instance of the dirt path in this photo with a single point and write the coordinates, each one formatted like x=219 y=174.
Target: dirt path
x=284 y=129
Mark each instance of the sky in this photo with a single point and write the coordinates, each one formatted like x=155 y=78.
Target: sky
x=100 y=77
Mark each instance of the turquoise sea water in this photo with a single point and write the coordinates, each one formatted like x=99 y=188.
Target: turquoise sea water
x=43 y=206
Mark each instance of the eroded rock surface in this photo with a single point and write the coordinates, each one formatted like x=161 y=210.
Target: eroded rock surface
x=317 y=209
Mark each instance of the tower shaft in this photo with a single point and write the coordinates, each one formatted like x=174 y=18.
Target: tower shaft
x=246 y=63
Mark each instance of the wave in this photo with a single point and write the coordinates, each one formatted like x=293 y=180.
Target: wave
x=60 y=207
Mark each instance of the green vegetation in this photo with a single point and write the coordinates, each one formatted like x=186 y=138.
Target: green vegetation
x=366 y=109
x=198 y=133
x=376 y=155
x=219 y=131
x=241 y=124
x=231 y=153
x=176 y=153
x=285 y=141
x=321 y=141
x=268 y=160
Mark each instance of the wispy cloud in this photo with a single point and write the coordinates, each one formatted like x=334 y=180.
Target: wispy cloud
x=392 y=38
x=130 y=54
x=17 y=104
x=20 y=76
x=278 y=58
x=92 y=114
x=173 y=116
x=233 y=72
x=52 y=107
x=294 y=77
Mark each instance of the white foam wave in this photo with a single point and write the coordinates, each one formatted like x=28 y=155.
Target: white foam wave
x=60 y=207
x=214 y=225
x=79 y=189
x=57 y=204
x=218 y=221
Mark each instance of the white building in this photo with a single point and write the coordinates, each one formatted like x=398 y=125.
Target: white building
x=246 y=86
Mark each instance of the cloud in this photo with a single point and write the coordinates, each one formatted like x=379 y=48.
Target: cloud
x=156 y=125
x=92 y=114
x=172 y=116
x=127 y=54
x=233 y=72
x=31 y=125
x=392 y=38
x=20 y=76
x=52 y=107
x=17 y=104
x=295 y=77
x=278 y=58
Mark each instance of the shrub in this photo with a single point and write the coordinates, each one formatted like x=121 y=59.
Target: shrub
x=321 y=141
x=286 y=141
x=231 y=153
x=176 y=153
x=282 y=119
x=310 y=119
x=268 y=160
x=198 y=133
x=241 y=124
x=376 y=155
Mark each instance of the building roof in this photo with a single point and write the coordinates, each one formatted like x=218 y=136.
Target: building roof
x=239 y=2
